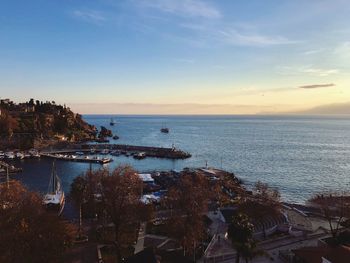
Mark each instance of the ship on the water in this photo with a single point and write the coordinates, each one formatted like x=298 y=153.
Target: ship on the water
x=54 y=200
x=164 y=129
x=112 y=122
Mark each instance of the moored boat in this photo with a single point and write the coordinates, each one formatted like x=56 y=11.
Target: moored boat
x=140 y=155
x=9 y=155
x=54 y=200
x=19 y=155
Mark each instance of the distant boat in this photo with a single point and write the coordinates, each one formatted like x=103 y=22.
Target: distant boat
x=112 y=122
x=164 y=130
x=140 y=155
x=54 y=200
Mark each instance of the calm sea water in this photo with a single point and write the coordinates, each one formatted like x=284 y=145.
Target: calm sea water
x=298 y=155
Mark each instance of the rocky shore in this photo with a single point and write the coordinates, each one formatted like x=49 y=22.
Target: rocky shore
x=37 y=124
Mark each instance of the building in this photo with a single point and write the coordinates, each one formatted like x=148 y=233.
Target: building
x=146 y=178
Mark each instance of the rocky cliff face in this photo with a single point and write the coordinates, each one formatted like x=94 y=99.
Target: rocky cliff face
x=23 y=125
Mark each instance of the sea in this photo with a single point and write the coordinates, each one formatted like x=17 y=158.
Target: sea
x=299 y=155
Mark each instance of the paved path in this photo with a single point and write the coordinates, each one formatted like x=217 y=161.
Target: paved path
x=141 y=238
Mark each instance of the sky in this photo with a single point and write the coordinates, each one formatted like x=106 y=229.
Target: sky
x=176 y=56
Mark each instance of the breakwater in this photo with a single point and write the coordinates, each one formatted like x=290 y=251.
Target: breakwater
x=156 y=152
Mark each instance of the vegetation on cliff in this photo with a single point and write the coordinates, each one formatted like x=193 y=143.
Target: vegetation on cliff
x=35 y=122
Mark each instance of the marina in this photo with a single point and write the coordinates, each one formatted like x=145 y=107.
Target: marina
x=75 y=158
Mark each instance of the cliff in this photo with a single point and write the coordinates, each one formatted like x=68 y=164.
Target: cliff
x=36 y=124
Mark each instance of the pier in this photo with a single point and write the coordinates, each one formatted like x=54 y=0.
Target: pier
x=147 y=151
x=74 y=158
x=156 y=152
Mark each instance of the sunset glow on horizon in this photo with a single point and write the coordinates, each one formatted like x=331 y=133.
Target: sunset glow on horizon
x=177 y=56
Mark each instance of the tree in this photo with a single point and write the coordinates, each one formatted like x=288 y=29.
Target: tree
x=79 y=193
x=120 y=194
x=240 y=231
x=227 y=189
x=27 y=230
x=267 y=195
x=264 y=202
x=189 y=201
x=335 y=208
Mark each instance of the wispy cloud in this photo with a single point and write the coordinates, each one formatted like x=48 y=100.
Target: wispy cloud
x=235 y=37
x=320 y=72
x=192 y=8
x=343 y=50
x=309 y=70
x=313 y=51
x=184 y=60
x=317 y=86
x=89 y=16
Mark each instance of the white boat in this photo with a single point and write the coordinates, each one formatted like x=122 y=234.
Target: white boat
x=34 y=153
x=140 y=155
x=19 y=155
x=105 y=151
x=54 y=200
x=9 y=155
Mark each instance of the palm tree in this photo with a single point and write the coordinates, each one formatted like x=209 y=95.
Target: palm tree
x=78 y=193
x=240 y=231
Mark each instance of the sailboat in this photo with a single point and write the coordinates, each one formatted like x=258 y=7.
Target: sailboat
x=54 y=200
x=112 y=122
x=164 y=129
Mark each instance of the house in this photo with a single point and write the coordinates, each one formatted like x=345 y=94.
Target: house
x=146 y=178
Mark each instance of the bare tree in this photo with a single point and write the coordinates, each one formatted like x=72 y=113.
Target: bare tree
x=78 y=193
x=120 y=194
x=189 y=202
x=28 y=232
x=335 y=208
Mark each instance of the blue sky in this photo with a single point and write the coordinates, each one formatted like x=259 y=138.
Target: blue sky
x=240 y=56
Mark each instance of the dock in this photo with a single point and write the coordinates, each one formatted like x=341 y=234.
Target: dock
x=73 y=158
x=155 y=152
x=128 y=150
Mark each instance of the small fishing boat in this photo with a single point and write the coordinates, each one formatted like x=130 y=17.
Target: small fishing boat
x=54 y=200
x=140 y=155
x=10 y=155
x=112 y=122
x=19 y=155
x=164 y=130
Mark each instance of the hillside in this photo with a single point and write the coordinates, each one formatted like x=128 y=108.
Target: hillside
x=38 y=124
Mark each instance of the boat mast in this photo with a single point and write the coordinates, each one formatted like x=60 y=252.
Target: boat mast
x=53 y=177
x=7 y=177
